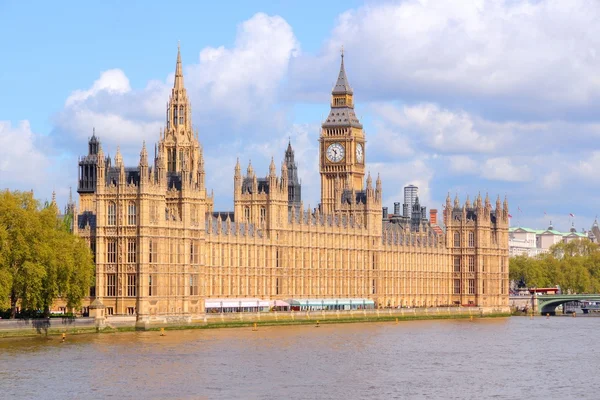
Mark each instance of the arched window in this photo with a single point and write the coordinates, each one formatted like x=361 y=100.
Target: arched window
x=131 y=214
x=175 y=115
x=181 y=115
x=456 y=239
x=247 y=213
x=263 y=214
x=111 y=214
x=471 y=239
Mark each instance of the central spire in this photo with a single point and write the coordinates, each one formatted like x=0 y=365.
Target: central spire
x=342 y=86
x=178 y=84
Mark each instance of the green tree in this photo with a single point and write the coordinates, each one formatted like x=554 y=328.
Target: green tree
x=40 y=259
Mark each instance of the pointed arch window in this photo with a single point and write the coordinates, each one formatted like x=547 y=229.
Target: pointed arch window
x=181 y=115
x=456 y=239
x=171 y=160
x=111 y=214
x=131 y=214
x=471 y=239
x=174 y=115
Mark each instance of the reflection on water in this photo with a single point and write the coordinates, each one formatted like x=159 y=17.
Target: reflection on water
x=502 y=358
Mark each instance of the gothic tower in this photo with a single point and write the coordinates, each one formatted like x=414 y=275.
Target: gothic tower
x=294 y=189
x=178 y=146
x=342 y=144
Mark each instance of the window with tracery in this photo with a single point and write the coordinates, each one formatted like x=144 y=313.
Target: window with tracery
x=111 y=214
x=131 y=214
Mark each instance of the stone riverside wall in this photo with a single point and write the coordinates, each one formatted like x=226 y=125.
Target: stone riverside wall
x=46 y=323
x=83 y=325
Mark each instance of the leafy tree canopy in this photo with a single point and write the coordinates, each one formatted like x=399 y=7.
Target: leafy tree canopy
x=40 y=259
x=574 y=266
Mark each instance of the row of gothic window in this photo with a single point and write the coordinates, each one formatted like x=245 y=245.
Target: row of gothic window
x=263 y=214
x=132 y=285
x=178 y=117
x=471 y=241
x=111 y=214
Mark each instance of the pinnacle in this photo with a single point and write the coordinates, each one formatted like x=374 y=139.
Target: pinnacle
x=342 y=86
x=178 y=84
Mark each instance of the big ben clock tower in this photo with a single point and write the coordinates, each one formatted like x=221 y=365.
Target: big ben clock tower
x=342 y=144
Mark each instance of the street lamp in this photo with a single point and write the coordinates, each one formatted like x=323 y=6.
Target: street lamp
x=240 y=309
x=221 y=307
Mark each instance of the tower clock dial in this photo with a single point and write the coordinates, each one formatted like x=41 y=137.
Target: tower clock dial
x=335 y=152
x=359 y=153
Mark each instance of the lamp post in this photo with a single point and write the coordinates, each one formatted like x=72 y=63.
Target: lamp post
x=364 y=304
x=322 y=305
x=240 y=309
x=350 y=304
x=221 y=307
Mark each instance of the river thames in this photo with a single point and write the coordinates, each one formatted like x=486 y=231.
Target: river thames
x=505 y=358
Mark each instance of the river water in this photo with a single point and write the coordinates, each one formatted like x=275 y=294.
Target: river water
x=507 y=358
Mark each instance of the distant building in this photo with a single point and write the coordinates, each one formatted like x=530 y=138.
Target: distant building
x=532 y=242
x=411 y=195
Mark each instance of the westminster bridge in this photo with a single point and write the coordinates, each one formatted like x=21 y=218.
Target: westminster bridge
x=547 y=303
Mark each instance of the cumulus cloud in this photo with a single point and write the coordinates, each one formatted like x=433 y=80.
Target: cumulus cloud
x=507 y=51
x=444 y=130
x=503 y=169
x=243 y=81
x=112 y=81
x=21 y=160
x=463 y=164
x=231 y=89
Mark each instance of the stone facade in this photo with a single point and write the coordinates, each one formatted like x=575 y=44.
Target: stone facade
x=161 y=250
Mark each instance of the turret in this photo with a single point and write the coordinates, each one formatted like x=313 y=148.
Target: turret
x=143 y=164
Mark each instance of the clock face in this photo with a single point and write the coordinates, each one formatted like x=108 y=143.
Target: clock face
x=335 y=152
x=359 y=153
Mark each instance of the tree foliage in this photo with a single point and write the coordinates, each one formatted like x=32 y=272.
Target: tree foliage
x=574 y=266
x=40 y=259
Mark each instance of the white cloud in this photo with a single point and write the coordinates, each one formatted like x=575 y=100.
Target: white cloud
x=542 y=50
x=22 y=162
x=111 y=81
x=243 y=82
x=229 y=89
x=389 y=141
x=463 y=164
x=503 y=169
x=444 y=130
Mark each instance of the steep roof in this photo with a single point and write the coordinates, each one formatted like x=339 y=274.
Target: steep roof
x=342 y=86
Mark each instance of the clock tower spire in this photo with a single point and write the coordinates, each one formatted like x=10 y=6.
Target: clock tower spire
x=342 y=143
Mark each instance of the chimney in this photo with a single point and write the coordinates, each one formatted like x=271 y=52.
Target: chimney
x=385 y=212
x=433 y=216
x=396 y=208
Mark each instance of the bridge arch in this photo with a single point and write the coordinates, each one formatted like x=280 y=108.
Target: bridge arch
x=547 y=304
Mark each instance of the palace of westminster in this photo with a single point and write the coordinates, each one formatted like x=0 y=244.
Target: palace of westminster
x=162 y=252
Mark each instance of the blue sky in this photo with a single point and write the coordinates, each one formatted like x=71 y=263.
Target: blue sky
x=459 y=97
